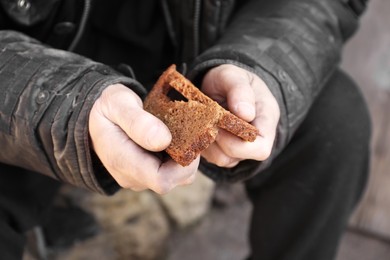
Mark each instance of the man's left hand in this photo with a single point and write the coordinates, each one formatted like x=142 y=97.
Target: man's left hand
x=248 y=97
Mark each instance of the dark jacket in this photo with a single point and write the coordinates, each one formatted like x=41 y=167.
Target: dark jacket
x=46 y=93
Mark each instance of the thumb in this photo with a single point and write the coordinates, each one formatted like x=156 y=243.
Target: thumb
x=123 y=107
x=231 y=85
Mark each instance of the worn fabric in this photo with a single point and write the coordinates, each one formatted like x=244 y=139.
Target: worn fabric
x=301 y=203
x=57 y=56
x=46 y=93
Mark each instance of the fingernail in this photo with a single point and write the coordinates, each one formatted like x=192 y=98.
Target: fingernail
x=245 y=110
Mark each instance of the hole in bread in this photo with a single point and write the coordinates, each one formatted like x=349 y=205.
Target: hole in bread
x=174 y=95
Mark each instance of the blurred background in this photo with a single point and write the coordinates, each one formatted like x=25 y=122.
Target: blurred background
x=208 y=222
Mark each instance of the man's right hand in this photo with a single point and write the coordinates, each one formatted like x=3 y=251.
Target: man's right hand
x=124 y=136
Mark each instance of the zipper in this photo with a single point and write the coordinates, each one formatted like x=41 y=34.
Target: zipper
x=196 y=27
x=169 y=22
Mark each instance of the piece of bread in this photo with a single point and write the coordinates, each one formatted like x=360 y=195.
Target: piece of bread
x=193 y=123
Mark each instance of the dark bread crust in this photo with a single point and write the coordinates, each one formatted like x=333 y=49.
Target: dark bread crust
x=193 y=124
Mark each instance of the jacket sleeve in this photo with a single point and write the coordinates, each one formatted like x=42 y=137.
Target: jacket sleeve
x=45 y=99
x=294 y=46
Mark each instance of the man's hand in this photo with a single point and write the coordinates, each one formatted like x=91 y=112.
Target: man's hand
x=248 y=97
x=124 y=136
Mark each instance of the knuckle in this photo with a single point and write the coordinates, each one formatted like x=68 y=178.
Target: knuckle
x=233 y=164
x=162 y=187
x=230 y=153
x=136 y=188
x=223 y=161
x=127 y=182
x=190 y=180
x=124 y=183
x=263 y=155
x=161 y=190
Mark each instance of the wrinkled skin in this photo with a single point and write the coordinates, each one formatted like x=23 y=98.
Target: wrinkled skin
x=123 y=134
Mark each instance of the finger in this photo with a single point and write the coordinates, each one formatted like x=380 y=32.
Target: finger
x=124 y=108
x=190 y=179
x=266 y=120
x=241 y=103
x=120 y=155
x=122 y=158
x=214 y=154
x=235 y=147
x=232 y=84
x=170 y=175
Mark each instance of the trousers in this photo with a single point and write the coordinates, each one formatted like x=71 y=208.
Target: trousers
x=301 y=203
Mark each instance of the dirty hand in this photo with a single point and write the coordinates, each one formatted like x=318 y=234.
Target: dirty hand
x=248 y=97
x=124 y=136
